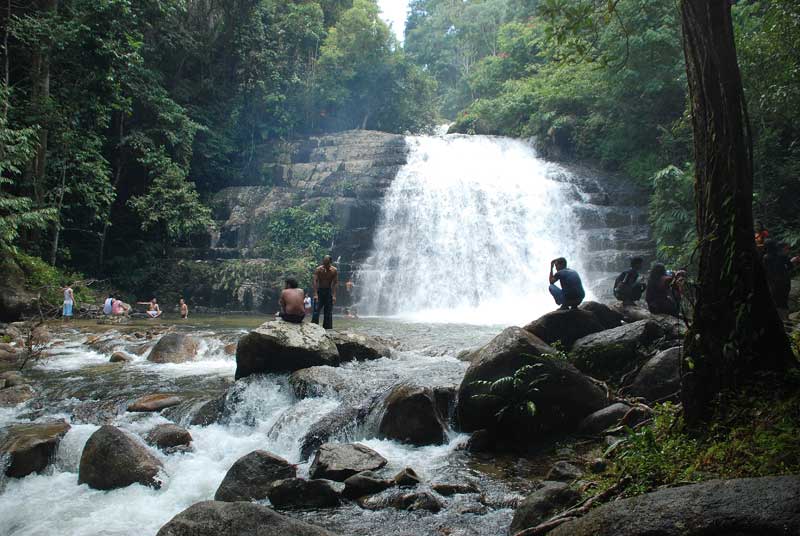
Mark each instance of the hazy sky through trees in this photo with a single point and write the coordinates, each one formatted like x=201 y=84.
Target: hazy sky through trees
x=394 y=12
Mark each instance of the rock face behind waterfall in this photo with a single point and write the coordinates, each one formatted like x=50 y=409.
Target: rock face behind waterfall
x=565 y=395
x=744 y=507
x=284 y=347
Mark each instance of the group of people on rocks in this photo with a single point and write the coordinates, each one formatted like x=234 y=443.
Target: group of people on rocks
x=295 y=305
x=664 y=288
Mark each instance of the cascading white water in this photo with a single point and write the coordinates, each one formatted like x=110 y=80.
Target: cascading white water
x=467 y=232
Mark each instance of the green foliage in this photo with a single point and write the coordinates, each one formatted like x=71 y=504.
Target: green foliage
x=753 y=434
x=49 y=281
x=672 y=215
x=515 y=395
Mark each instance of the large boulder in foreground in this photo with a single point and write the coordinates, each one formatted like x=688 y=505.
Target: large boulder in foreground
x=604 y=314
x=30 y=447
x=212 y=518
x=743 y=507
x=660 y=377
x=112 y=459
x=284 y=347
x=542 y=504
x=412 y=416
x=609 y=354
x=565 y=395
x=565 y=326
x=251 y=477
x=358 y=347
x=174 y=348
x=340 y=461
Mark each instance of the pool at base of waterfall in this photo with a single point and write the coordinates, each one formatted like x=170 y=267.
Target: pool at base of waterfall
x=76 y=382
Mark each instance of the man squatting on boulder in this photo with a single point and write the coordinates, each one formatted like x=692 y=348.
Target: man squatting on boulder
x=571 y=293
x=326 y=278
x=291 y=302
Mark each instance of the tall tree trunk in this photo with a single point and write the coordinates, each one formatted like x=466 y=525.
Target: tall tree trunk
x=736 y=328
x=57 y=223
x=6 y=63
x=117 y=177
x=41 y=94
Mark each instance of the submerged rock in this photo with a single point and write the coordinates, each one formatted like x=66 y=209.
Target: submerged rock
x=153 y=403
x=610 y=354
x=542 y=504
x=13 y=396
x=300 y=493
x=174 y=348
x=284 y=347
x=169 y=437
x=412 y=416
x=354 y=346
x=120 y=357
x=30 y=447
x=339 y=461
x=365 y=483
x=446 y=489
x=565 y=326
x=112 y=459
x=742 y=507
x=407 y=478
x=210 y=412
x=564 y=398
x=316 y=381
x=213 y=518
x=251 y=477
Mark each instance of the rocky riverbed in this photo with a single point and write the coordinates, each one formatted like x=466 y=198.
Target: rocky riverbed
x=385 y=427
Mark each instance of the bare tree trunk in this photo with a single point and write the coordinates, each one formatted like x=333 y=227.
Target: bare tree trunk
x=736 y=328
x=57 y=223
x=6 y=63
x=117 y=177
x=41 y=93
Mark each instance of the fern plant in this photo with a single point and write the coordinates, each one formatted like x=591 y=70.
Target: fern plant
x=515 y=395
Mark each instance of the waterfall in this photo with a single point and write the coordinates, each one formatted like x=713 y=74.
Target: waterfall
x=467 y=232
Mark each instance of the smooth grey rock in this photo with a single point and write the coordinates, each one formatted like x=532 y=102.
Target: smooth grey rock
x=660 y=377
x=609 y=354
x=744 y=507
x=565 y=395
x=542 y=504
x=316 y=381
x=30 y=447
x=251 y=477
x=602 y=419
x=174 y=348
x=168 y=437
x=358 y=347
x=298 y=493
x=213 y=518
x=284 y=347
x=564 y=472
x=565 y=326
x=365 y=483
x=339 y=461
x=412 y=416
x=112 y=459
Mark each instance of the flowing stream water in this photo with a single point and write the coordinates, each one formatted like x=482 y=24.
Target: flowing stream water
x=467 y=232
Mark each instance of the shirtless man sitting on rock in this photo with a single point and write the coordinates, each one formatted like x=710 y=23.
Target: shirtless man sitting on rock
x=291 y=302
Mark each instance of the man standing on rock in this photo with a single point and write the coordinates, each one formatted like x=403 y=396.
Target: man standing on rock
x=326 y=278
x=571 y=293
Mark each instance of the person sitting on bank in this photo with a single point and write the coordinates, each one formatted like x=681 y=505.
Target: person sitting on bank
x=659 y=296
x=108 y=305
x=326 y=279
x=571 y=293
x=292 y=302
x=627 y=287
x=153 y=310
x=119 y=308
x=184 y=308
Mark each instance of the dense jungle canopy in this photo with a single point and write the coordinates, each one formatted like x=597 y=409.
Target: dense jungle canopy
x=121 y=118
